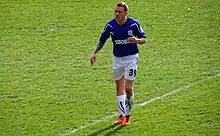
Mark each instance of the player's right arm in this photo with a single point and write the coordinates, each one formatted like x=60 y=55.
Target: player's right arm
x=96 y=50
x=104 y=36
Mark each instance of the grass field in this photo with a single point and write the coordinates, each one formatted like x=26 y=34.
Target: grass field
x=49 y=88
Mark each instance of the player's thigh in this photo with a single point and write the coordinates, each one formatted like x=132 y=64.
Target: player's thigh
x=130 y=71
x=118 y=74
x=118 y=70
x=116 y=63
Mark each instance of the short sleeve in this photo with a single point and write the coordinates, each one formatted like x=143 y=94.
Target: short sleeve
x=137 y=30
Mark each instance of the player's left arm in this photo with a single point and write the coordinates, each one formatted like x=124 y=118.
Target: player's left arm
x=136 y=40
x=138 y=36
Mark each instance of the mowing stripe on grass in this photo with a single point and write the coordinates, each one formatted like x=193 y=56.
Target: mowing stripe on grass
x=68 y=132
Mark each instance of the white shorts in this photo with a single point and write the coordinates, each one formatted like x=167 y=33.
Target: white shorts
x=125 y=66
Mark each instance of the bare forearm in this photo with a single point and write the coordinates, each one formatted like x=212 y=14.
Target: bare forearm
x=136 y=40
x=141 y=41
x=99 y=46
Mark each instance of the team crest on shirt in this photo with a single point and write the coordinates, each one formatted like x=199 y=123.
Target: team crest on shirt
x=130 y=33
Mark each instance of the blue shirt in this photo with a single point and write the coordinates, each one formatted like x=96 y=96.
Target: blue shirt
x=119 y=35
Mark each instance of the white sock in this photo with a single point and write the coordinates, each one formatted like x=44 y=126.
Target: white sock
x=129 y=100
x=121 y=104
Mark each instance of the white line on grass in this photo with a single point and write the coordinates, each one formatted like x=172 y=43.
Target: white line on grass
x=68 y=132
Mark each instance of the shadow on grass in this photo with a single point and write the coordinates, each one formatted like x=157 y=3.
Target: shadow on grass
x=110 y=133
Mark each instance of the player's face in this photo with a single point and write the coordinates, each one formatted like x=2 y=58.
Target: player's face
x=120 y=13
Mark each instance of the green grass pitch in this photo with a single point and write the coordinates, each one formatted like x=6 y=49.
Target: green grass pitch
x=49 y=88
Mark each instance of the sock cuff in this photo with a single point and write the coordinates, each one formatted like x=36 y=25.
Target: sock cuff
x=121 y=97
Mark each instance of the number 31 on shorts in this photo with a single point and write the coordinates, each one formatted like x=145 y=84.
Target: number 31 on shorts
x=132 y=72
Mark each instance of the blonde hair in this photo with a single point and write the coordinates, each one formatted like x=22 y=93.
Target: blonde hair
x=122 y=4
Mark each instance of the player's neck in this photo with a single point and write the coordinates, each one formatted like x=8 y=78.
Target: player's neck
x=122 y=21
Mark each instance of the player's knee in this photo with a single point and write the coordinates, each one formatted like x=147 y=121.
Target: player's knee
x=128 y=91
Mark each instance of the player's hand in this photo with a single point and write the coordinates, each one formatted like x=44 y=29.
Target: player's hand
x=92 y=58
x=132 y=39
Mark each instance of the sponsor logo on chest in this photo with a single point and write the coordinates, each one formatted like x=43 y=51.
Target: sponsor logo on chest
x=125 y=41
